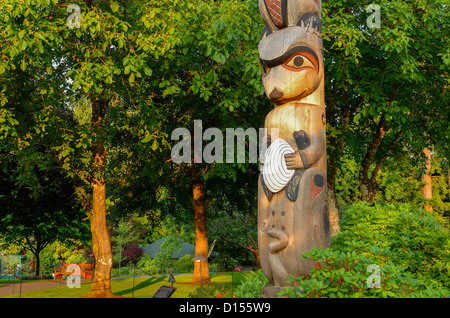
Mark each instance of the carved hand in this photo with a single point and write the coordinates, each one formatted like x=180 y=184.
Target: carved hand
x=293 y=161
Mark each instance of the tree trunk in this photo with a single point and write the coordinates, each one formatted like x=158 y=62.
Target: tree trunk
x=368 y=186
x=101 y=242
x=333 y=205
x=201 y=271
x=37 y=264
x=426 y=177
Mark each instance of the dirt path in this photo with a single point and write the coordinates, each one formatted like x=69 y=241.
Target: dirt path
x=24 y=287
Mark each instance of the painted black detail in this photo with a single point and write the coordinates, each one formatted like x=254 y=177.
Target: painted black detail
x=311 y=20
x=306 y=164
x=319 y=180
x=290 y=53
x=284 y=16
x=266 y=32
x=268 y=193
x=293 y=185
x=302 y=139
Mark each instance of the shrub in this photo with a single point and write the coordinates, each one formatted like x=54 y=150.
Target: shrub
x=251 y=287
x=76 y=259
x=210 y=290
x=407 y=245
x=184 y=264
x=360 y=271
x=131 y=253
x=147 y=266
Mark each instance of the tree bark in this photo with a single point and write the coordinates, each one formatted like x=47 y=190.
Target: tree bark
x=426 y=177
x=201 y=270
x=333 y=204
x=101 y=242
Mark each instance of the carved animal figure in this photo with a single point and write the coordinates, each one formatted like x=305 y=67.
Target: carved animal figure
x=292 y=188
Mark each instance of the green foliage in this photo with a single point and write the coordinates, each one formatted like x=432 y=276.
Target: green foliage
x=252 y=285
x=184 y=264
x=124 y=234
x=410 y=246
x=146 y=266
x=163 y=259
x=210 y=290
x=163 y=262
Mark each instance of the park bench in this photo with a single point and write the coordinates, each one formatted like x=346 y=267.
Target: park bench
x=86 y=271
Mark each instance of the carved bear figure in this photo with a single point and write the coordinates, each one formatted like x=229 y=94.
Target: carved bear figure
x=292 y=193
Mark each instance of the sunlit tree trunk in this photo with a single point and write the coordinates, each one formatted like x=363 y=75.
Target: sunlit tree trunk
x=201 y=235
x=426 y=177
x=101 y=242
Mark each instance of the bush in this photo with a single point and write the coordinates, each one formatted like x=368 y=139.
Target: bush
x=210 y=290
x=184 y=264
x=406 y=247
x=251 y=287
x=76 y=259
x=131 y=253
x=147 y=266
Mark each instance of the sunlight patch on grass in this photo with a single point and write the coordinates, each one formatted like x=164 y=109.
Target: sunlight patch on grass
x=141 y=287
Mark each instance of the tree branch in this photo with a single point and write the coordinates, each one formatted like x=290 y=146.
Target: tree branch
x=386 y=155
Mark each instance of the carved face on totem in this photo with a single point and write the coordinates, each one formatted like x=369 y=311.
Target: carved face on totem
x=291 y=57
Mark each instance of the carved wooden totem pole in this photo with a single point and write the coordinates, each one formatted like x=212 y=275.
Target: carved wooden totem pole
x=292 y=188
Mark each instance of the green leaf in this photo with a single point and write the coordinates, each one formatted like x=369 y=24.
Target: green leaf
x=114 y=6
x=23 y=65
x=146 y=139
x=23 y=45
x=155 y=145
x=21 y=34
x=147 y=70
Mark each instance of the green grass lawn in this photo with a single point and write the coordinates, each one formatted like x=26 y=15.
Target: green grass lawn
x=144 y=287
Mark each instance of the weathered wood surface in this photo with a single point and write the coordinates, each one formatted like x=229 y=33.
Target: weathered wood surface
x=293 y=219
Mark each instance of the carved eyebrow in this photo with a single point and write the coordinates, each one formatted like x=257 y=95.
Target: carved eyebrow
x=292 y=51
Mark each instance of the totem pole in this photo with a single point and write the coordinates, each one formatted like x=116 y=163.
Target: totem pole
x=292 y=188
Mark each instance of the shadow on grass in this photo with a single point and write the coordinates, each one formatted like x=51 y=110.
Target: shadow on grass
x=141 y=285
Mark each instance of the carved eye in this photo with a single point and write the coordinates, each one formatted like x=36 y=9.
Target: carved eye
x=300 y=61
x=265 y=69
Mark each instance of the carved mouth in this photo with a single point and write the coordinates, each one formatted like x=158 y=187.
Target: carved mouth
x=279 y=102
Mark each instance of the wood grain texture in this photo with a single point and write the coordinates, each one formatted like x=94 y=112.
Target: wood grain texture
x=294 y=219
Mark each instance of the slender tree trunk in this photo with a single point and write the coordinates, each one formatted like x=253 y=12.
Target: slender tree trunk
x=201 y=235
x=38 y=263
x=368 y=185
x=101 y=242
x=426 y=177
x=333 y=205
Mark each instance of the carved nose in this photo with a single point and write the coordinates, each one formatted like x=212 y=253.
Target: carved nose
x=276 y=94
